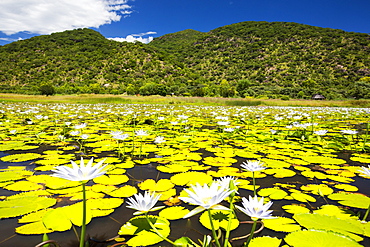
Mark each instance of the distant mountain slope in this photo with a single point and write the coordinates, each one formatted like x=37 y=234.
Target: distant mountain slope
x=279 y=55
x=83 y=61
x=259 y=59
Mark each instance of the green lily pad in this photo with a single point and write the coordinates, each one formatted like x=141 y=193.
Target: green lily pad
x=281 y=224
x=351 y=200
x=142 y=231
x=16 y=206
x=20 y=157
x=319 y=238
x=348 y=227
x=173 y=213
x=220 y=219
x=265 y=241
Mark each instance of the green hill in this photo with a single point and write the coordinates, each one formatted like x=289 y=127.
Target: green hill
x=276 y=59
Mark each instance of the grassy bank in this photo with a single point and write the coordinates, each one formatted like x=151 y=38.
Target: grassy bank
x=124 y=99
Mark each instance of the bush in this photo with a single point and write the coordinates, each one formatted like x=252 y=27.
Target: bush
x=47 y=89
x=285 y=97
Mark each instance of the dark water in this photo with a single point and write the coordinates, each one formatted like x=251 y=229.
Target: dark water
x=102 y=228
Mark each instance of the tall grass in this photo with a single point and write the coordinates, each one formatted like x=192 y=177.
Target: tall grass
x=155 y=99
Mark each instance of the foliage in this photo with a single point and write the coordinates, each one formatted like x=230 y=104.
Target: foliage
x=247 y=59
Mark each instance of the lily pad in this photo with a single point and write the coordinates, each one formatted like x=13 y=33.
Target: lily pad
x=319 y=238
x=142 y=232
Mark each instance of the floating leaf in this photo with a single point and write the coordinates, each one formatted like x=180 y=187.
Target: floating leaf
x=350 y=199
x=302 y=197
x=346 y=187
x=173 y=213
x=16 y=206
x=331 y=223
x=142 y=231
x=319 y=238
x=295 y=209
x=124 y=191
x=323 y=160
x=37 y=227
x=24 y=186
x=13 y=174
x=161 y=185
x=265 y=241
x=333 y=211
x=318 y=189
x=190 y=178
x=220 y=219
x=111 y=179
x=281 y=224
x=273 y=193
x=280 y=173
x=20 y=157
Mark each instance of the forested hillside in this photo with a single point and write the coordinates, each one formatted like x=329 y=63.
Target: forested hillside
x=257 y=59
x=261 y=58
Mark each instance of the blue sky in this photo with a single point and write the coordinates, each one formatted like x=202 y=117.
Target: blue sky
x=143 y=20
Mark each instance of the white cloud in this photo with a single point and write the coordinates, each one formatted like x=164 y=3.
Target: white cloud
x=48 y=16
x=135 y=37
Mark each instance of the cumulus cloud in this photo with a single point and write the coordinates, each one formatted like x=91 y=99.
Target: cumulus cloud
x=48 y=16
x=136 y=37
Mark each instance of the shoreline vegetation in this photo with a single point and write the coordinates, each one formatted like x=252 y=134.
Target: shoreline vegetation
x=178 y=100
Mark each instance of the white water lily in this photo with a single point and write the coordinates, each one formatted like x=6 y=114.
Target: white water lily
x=227 y=181
x=320 y=132
x=81 y=172
x=141 y=132
x=144 y=203
x=255 y=208
x=253 y=165
x=365 y=171
x=349 y=132
x=121 y=137
x=159 y=140
x=206 y=197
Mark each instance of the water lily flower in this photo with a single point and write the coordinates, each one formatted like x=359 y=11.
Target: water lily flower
x=121 y=137
x=206 y=197
x=227 y=181
x=81 y=172
x=74 y=133
x=144 y=203
x=141 y=132
x=349 y=132
x=229 y=129
x=320 y=132
x=116 y=133
x=253 y=165
x=159 y=140
x=12 y=132
x=255 y=208
x=84 y=136
x=365 y=171
x=223 y=123
x=80 y=126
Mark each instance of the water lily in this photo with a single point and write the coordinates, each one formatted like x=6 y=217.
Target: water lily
x=365 y=171
x=159 y=140
x=141 y=132
x=349 y=132
x=320 y=132
x=81 y=172
x=144 y=203
x=255 y=208
x=206 y=197
x=253 y=165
